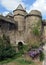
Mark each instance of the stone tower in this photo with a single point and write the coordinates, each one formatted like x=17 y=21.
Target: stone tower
x=32 y=19
x=19 y=16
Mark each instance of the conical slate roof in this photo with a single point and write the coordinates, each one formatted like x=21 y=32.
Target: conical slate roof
x=20 y=7
x=20 y=10
x=10 y=14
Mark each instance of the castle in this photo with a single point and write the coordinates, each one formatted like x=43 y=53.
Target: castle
x=18 y=25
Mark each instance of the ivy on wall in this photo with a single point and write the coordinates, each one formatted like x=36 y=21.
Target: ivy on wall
x=36 y=28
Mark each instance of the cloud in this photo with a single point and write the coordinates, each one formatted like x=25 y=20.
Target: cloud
x=10 y=4
x=5 y=13
x=39 y=5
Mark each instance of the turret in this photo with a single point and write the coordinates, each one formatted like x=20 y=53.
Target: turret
x=10 y=16
x=33 y=17
x=19 y=16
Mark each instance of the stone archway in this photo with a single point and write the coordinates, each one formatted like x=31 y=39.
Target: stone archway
x=20 y=45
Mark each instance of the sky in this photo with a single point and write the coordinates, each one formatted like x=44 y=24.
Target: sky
x=7 y=6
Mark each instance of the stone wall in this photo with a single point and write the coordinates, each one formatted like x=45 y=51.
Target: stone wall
x=21 y=22
x=25 y=24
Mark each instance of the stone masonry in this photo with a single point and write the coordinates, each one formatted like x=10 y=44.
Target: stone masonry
x=18 y=25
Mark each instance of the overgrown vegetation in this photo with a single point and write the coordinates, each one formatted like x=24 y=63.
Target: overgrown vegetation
x=36 y=31
x=41 y=56
x=6 y=50
x=23 y=61
x=35 y=45
x=36 y=28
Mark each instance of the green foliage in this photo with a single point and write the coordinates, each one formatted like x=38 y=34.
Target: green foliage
x=36 y=31
x=6 y=50
x=25 y=47
x=20 y=48
x=41 y=56
x=36 y=28
x=35 y=45
x=23 y=61
x=6 y=41
x=23 y=50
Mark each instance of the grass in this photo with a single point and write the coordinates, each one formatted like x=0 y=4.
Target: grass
x=23 y=61
x=18 y=61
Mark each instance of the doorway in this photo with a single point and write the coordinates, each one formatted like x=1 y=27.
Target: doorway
x=20 y=45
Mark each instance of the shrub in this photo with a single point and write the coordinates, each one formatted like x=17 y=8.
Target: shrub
x=35 y=45
x=6 y=50
x=41 y=56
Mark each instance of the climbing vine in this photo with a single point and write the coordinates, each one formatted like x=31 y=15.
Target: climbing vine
x=36 y=29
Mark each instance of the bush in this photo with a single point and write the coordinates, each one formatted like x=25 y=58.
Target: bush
x=6 y=50
x=41 y=56
x=35 y=45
